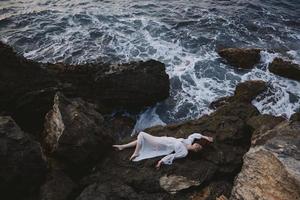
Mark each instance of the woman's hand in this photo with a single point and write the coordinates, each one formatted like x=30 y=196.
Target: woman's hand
x=210 y=139
x=158 y=164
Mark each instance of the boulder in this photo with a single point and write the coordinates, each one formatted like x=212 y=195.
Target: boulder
x=271 y=166
x=58 y=186
x=115 y=190
x=121 y=126
x=295 y=117
x=24 y=89
x=23 y=167
x=74 y=133
x=218 y=162
x=216 y=190
x=132 y=85
x=173 y=183
x=248 y=90
x=285 y=69
x=244 y=92
x=261 y=124
x=27 y=87
x=241 y=57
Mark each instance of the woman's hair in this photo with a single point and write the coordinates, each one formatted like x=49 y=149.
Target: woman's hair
x=202 y=142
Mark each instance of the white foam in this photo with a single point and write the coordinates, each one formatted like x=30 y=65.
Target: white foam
x=147 y=119
x=126 y=31
x=276 y=100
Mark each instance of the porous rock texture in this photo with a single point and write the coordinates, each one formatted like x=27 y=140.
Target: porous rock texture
x=211 y=171
x=27 y=87
x=74 y=133
x=245 y=58
x=271 y=166
x=245 y=92
x=285 y=69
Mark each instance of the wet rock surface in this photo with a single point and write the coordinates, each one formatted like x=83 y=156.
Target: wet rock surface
x=27 y=87
x=22 y=167
x=285 y=69
x=77 y=138
x=241 y=57
x=174 y=184
x=271 y=166
x=218 y=162
x=132 y=85
x=245 y=92
x=74 y=133
x=58 y=186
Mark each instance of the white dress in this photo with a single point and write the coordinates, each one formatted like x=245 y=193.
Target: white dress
x=173 y=148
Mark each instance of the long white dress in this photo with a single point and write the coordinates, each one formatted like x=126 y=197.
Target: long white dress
x=173 y=148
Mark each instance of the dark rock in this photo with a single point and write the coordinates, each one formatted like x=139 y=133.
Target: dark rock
x=120 y=126
x=248 y=90
x=245 y=92
x=218 y=162
x=74 y=133
x=30 y=109
x=24 y=87
x=27 y=87
x=285 y=68
x=295 y=117
x=58 y=186
x=219 y=102
x=22 y=168
x=213 y=191
x=131 y=86
x=241 y=58
x=261 y=124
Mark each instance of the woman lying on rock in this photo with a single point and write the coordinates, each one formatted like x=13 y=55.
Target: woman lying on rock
x=148 y=146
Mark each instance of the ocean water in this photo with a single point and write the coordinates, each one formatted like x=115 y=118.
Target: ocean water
x=185 y=35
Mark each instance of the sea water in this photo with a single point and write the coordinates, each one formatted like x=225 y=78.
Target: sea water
x=183 y=34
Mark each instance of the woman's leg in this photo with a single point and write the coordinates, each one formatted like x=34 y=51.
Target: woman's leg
x=125 y=146
x=138 y=146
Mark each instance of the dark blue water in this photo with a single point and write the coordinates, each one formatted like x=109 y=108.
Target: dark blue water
x=183 y=34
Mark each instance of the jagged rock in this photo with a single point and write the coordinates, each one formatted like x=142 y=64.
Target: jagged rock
x=214 y=191
x=219 y=102
x=261 y=124
x=22 y=167
x=58 y=186
x=244 y=92
x=271 y=168
x=220 y=161
x=27 y=87
x=24 y=88
x=295 y=117
x=132 y=85
x=248 y=90
x=241 y=58
x=74 y=132
x=285 y=68
x=173 y=183
x=115 y=190
x=120 y=126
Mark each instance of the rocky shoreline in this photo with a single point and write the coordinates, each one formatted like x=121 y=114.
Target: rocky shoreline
x=56 y=139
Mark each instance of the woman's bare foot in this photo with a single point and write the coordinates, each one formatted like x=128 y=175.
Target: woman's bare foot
x=119 y=147
x=133 y=156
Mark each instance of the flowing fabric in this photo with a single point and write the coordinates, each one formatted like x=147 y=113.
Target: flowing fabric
x=153 y=146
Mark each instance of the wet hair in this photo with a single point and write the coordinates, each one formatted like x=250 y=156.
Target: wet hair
x=201 y=142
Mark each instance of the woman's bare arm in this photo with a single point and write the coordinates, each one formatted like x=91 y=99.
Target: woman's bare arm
x=210 y=139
